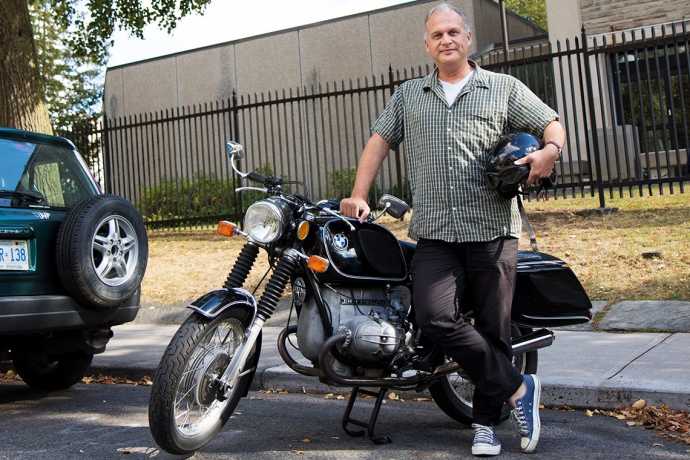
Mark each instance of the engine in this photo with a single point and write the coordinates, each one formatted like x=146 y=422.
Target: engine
x=372 y=318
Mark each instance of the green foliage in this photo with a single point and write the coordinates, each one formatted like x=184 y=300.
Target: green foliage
x=341 y=181
x=73 y=84
x=532 y=10
x=199 y=197
x=93 y=31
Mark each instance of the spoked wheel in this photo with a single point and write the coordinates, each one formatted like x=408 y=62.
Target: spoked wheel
x=185 y=412
x=453 y=392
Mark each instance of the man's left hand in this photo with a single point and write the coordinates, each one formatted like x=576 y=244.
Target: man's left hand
x=541 y=162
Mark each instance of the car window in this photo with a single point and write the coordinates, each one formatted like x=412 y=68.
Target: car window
x=56 y=173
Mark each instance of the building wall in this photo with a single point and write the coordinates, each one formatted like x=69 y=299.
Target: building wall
x=344 y=49
x=603 y=16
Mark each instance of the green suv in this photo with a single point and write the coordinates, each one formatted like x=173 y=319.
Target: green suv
x=71 y=260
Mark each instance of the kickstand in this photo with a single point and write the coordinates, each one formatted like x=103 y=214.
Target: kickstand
x=372 y=420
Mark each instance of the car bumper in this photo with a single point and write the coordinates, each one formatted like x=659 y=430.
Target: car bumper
x=32 y=314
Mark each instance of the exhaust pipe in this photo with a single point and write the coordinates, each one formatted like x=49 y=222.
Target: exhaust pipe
x=533 y=341
x=529 y=342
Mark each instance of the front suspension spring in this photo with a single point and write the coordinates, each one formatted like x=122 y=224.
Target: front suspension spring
x=243 y=265
x=275 y=287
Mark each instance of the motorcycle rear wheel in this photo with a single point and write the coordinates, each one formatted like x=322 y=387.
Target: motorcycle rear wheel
x=453 y=392
x=184 y=413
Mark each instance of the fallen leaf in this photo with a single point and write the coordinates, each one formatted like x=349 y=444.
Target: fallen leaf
x=340 y=397
x=565 y=408
x=298 y=452
x=589 y=413
x=393 y=396
x=674 y=424
x=306 y=441
x=656 y=444
x=639 y=404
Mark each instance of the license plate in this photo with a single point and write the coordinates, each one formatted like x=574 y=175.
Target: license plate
x=14 y=255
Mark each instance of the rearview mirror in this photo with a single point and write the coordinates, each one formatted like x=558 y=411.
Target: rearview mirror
x=235 y=150
x=395 y=207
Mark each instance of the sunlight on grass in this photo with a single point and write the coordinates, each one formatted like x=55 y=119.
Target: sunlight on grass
x=639 y=252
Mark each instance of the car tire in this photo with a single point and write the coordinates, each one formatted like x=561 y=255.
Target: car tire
x=102 y=251
x=60 y=372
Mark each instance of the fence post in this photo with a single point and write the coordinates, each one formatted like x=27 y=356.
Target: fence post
x=235 y=120
x=398 y=163
x=592 y=118
x=107 y=170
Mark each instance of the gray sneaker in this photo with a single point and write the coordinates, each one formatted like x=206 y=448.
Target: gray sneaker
x=485 y=442
x=526 y=414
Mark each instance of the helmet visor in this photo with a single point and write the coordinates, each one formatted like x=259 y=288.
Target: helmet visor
x=511 y=175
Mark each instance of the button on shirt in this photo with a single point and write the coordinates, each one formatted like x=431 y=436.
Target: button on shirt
x=446 y=150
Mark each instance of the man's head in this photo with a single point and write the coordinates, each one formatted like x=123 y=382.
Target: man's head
x=448 y=8
x=447 y=36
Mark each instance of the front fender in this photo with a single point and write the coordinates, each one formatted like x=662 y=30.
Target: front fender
x=214 y=303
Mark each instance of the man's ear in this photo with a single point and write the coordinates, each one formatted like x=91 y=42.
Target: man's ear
x=426 y=46
x=469 y=38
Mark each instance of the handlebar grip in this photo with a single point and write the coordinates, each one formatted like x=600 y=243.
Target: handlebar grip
x=256 y=177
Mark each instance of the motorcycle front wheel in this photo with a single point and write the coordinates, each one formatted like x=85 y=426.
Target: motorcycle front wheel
x=184 y=411
x=453 y=392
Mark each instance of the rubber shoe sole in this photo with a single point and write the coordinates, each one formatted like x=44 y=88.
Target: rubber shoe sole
x=529 y=444
x=486 y=450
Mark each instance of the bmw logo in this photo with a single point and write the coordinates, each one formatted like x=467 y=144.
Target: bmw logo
x=340 y=242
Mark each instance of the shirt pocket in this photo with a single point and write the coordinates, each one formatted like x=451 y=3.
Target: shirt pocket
x=486 y=125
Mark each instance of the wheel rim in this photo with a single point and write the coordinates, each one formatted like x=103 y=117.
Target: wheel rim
x=463 y=388
x=114 y=250
x=196 y=408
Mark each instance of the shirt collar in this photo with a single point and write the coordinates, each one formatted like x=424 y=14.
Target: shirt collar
x=479 y=79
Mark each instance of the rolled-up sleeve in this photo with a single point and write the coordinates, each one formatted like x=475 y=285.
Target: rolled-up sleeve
x=390 y=124
x=528 y=113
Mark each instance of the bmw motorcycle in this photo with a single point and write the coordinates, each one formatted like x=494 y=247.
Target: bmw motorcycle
x=352 y=296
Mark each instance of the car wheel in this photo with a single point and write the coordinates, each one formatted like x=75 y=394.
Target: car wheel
x=59 y=372
x=102 y=251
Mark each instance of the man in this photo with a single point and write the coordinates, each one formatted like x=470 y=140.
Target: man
x=467 y=233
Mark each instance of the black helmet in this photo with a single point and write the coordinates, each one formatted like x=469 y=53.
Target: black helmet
x=501 y=173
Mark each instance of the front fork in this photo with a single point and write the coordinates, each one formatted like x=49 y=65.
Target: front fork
x=265 y=308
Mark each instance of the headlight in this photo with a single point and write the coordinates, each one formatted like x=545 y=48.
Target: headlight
x=265 y=221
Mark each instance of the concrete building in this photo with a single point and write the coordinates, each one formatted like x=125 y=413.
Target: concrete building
x=357 y=46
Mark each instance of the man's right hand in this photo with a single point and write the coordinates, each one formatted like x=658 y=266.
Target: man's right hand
x=356 y=208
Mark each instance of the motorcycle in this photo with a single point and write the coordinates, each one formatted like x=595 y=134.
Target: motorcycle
x=352 y=295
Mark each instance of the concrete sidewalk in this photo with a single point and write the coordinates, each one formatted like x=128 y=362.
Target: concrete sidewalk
x=584 y=368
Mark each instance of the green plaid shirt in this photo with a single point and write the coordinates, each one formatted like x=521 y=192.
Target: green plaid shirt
x=446 y=151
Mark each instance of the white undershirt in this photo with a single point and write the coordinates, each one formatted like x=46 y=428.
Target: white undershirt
x=453 y=89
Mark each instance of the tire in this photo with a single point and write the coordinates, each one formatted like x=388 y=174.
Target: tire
x=61 y=372
x=453 y=393
x=200 y=349
x=102 y=251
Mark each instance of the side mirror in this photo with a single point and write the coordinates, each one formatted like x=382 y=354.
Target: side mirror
x=235 y=150
x=394 y=206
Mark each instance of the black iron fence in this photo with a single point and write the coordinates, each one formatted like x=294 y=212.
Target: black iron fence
x=623 y=100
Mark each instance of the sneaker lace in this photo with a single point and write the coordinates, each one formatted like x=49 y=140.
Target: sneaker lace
x=483 y=434
x=518 y=417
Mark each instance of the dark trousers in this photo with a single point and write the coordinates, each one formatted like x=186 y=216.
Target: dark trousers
x=449 y=278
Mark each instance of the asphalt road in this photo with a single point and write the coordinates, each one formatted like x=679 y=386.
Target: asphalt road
x=109 y=421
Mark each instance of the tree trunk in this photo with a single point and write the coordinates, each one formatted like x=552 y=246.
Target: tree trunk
x=22 y=95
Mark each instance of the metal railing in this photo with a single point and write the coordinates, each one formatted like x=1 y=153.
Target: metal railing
x=623 y=101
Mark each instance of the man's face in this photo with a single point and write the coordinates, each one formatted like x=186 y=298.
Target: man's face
x=446 y=39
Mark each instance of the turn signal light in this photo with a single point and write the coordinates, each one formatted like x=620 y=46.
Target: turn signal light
x=226 y=228
x=318 y=264
x=303 y=230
